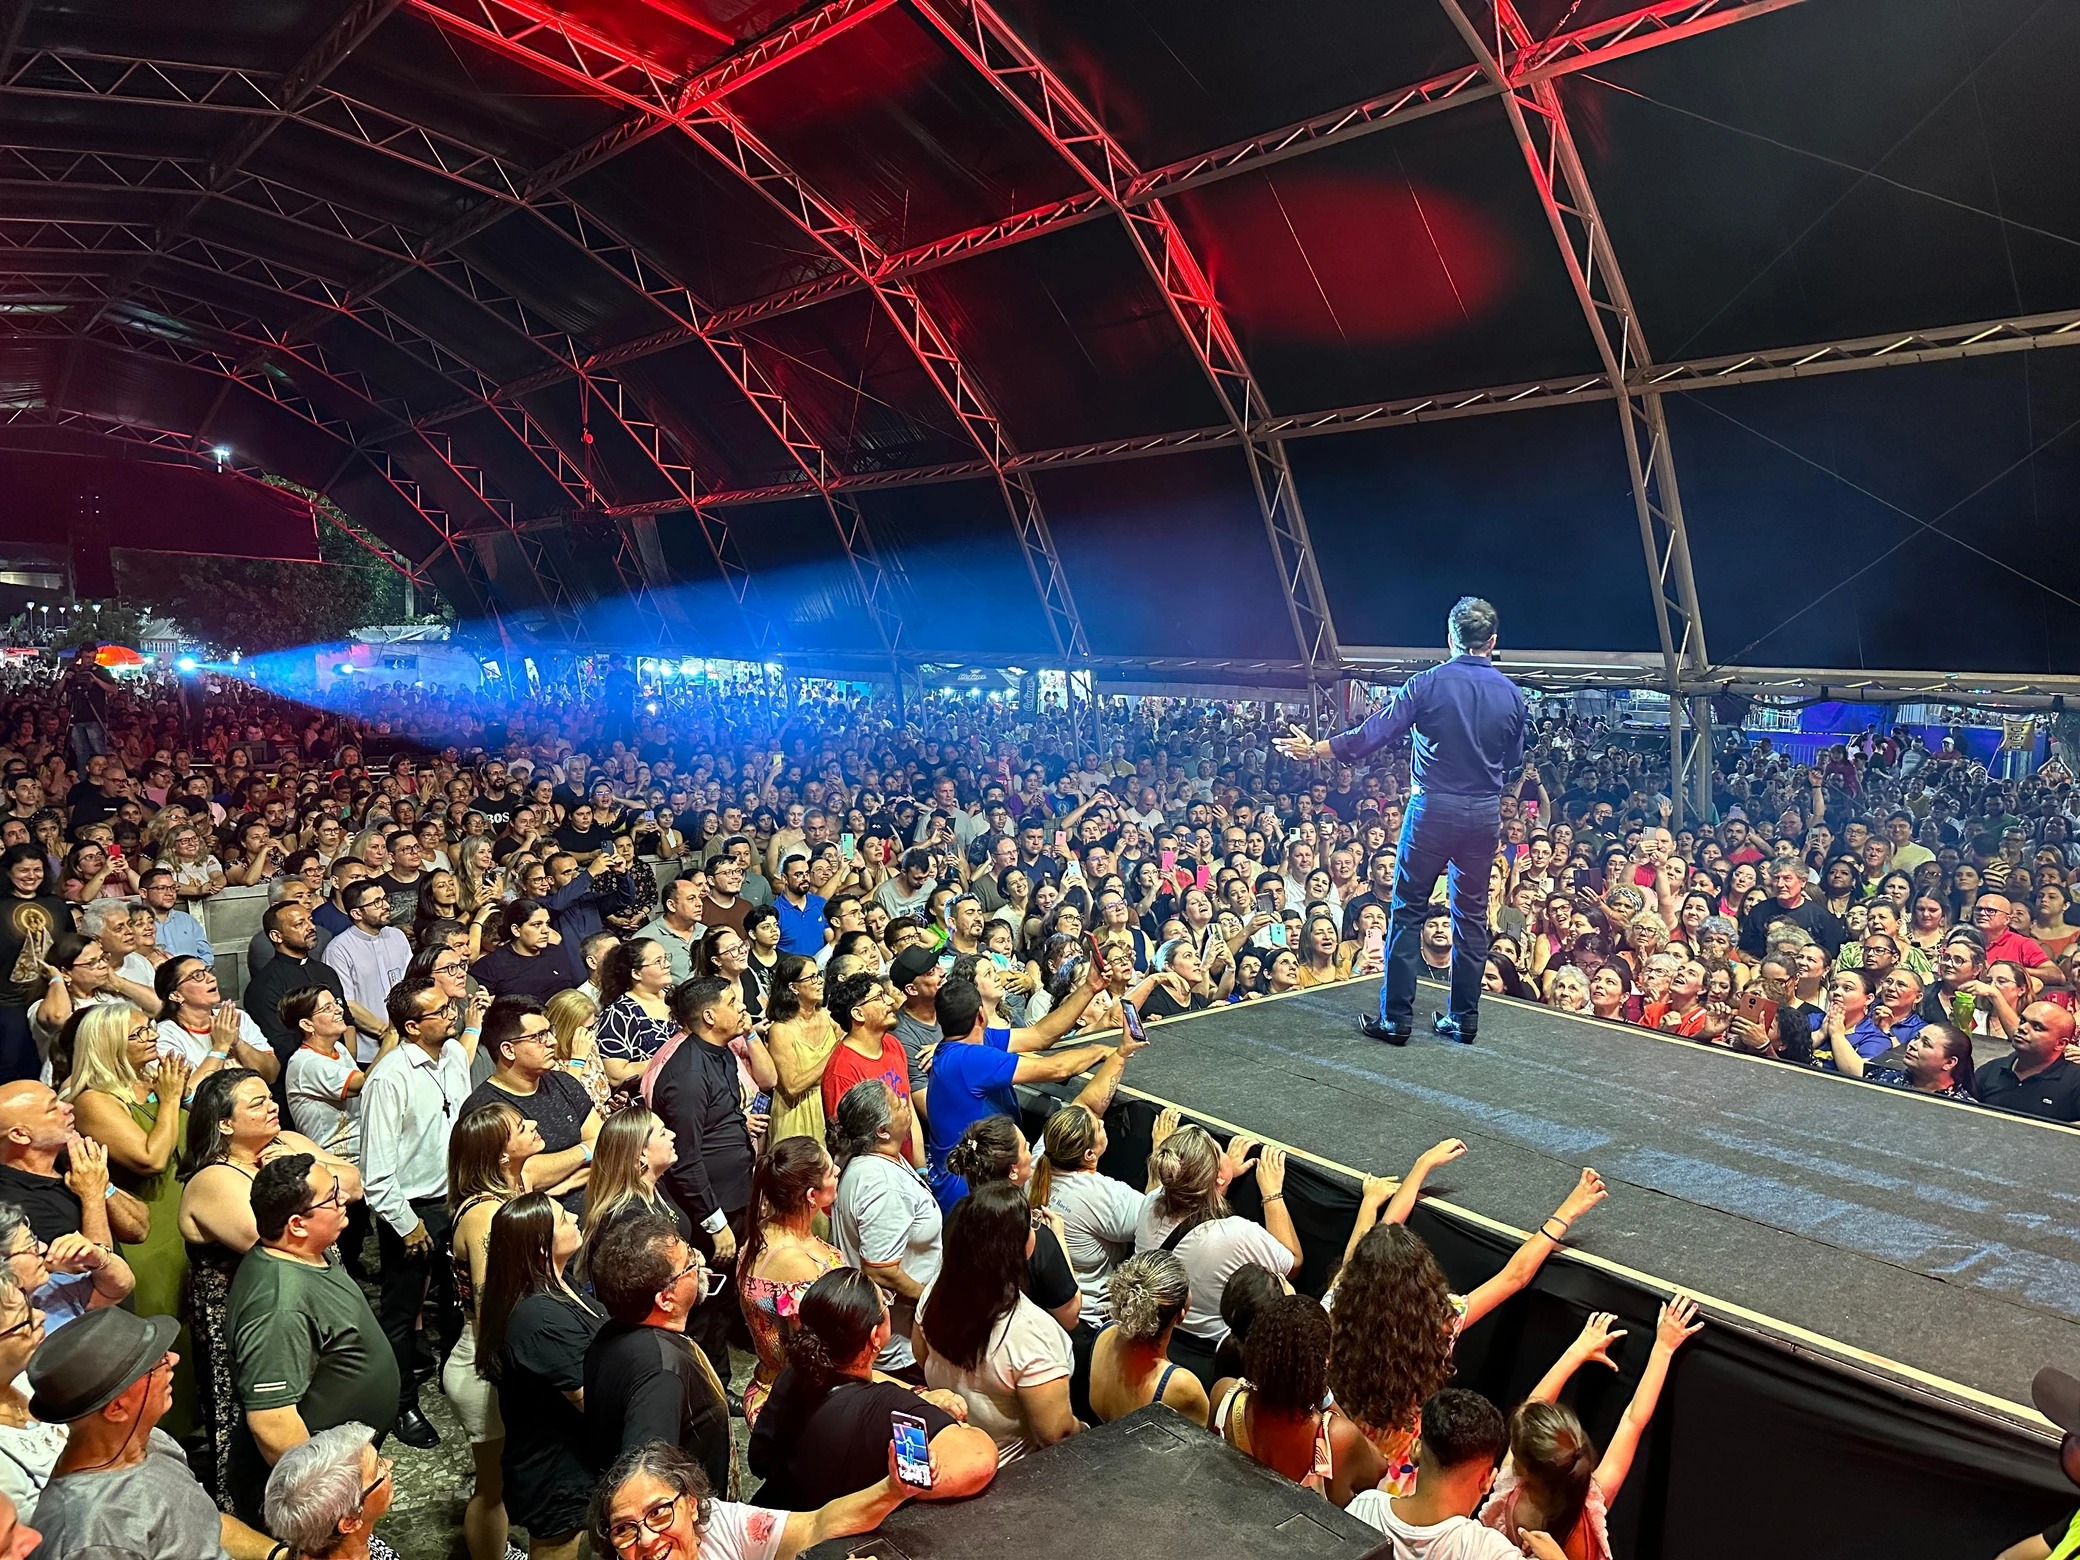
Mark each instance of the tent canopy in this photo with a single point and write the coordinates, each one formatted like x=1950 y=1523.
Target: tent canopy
x=1703 y=338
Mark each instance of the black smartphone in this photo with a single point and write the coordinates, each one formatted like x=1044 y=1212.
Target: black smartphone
x=913 y=1451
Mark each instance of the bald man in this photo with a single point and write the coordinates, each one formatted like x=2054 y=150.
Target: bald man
x=35 y=1130
x=2035 y=1079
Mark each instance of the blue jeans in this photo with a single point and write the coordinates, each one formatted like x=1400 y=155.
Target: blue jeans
x=1456 y=835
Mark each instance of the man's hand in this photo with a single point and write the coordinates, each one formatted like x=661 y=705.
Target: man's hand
x=1300 y=746
x=725 y=1245
x=88 y=1175
x=420 y=1241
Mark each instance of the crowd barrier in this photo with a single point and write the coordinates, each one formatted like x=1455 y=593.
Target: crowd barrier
x=1760 y=1446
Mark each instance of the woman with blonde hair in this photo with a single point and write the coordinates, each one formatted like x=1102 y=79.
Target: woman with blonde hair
x=574 y=1020
x=633 y=1150
x=1130 y=1368
x=1186 y=1212
x=487 y=1158
x=133 y=1101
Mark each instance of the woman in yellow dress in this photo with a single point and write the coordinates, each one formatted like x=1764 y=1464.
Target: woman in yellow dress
x=132 y=1100
x=801 y=1041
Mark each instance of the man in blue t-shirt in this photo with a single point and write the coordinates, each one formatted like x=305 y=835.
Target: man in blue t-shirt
x=802 y=924
x=974 y=1069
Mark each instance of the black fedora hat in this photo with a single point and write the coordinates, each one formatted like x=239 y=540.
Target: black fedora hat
x=86 y=1365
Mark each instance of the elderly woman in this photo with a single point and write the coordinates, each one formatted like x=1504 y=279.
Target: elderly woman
x=656 y=1501
x=1568 y=990
x=326 y=1496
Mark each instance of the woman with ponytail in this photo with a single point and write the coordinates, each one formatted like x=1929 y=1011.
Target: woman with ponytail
x=1097 y=1212
x=1553 y=1483
x=794 y=1183
x=993 y=1149
x=825 y=1429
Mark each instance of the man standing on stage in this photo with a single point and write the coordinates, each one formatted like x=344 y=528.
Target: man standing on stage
x=1469 y=722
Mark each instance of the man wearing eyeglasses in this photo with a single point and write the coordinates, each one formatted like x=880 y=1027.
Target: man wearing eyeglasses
x=306 y=1350
x=289 y=930
x=524 y=1076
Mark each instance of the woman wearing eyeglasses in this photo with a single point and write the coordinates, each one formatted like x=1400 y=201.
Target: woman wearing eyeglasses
x=312 y=1502
x=802 y=1038
x=29 y=1448
x=532 y=1333
x=131 y=1099
x=204 y=1028
x=234 y=1128
x=79 y=977
x=655 y=1504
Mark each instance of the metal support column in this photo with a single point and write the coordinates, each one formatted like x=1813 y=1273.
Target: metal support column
x=1539 y=121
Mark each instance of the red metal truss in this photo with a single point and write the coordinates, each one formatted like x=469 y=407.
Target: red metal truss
x=725 y=135
x=989 y=44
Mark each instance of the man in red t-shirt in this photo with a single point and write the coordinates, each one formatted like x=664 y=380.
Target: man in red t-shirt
x=870 y=1049
x=1992 y=915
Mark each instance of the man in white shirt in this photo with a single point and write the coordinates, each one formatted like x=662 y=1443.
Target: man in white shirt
x=369 y=957
x=1462 y=1442
x=408 y=1107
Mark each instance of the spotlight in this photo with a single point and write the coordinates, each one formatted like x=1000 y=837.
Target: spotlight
x=187 y=663
x=667 y=669
x=222 y=452
x=689 y=667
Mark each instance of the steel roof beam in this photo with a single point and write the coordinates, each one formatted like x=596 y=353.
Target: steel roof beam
x=1943 y=344
x=1582 y=49
x=988 y=43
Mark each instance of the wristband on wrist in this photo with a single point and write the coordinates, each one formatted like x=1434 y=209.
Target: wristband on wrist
x=1272 y=1197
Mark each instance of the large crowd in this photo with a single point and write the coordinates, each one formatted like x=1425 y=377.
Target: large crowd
x=622 y=1069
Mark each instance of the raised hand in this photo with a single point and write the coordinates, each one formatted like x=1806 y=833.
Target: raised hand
x=1597 y=1336
x=1167 y=1121
x=1587 y=1193
x=1440 y=1154
x=1241 y=1154
x=74 y=1253
x=1678 y=1323
x=88 y=1176
x=171 y=1080
x=1271 y=1170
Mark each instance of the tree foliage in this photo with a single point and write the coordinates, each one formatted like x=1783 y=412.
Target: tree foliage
x=260 y=604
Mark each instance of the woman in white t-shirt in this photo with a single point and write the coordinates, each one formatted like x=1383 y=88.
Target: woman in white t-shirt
x=886 y=1221
x=324 y=1083
x=658 y=1493
x=1188 y=1213
x=978 y=1334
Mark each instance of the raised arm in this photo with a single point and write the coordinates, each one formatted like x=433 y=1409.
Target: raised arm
x=1411 y=1187
x=1592 y=1343
x=1064 y=1017
x=1528 y=1258
x=1677 y=1325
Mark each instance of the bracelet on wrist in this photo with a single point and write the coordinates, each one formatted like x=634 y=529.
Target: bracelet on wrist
x=1272 y=1197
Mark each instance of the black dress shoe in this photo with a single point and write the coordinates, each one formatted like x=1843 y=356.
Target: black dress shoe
x=1373 y=1029
x=1448 y=1029
x=416 y=1430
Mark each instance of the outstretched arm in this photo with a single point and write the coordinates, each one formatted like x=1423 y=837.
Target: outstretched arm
x=1523 y=1266
x=1678 y=1324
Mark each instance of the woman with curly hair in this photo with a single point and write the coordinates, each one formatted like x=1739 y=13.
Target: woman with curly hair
x=1394 y=1325
x=1275 y=1415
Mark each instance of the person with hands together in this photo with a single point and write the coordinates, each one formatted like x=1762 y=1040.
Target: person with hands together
x=1553 y=1485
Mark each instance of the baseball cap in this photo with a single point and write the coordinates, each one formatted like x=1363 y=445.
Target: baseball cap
x=913 y=962
x=2056 y=1394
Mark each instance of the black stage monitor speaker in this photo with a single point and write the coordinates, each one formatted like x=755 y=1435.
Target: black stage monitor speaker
x=1152 y=1484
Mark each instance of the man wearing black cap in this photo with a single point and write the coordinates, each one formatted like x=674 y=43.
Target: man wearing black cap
x=121 y=1486
x=1468 y=722
x=917 y=974
x=2057 y=1397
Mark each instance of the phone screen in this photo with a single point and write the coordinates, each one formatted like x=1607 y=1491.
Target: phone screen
x=913 y=1451
x=1131 y=1021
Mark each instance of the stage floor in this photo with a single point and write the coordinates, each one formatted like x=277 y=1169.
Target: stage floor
x=1942 y=1237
